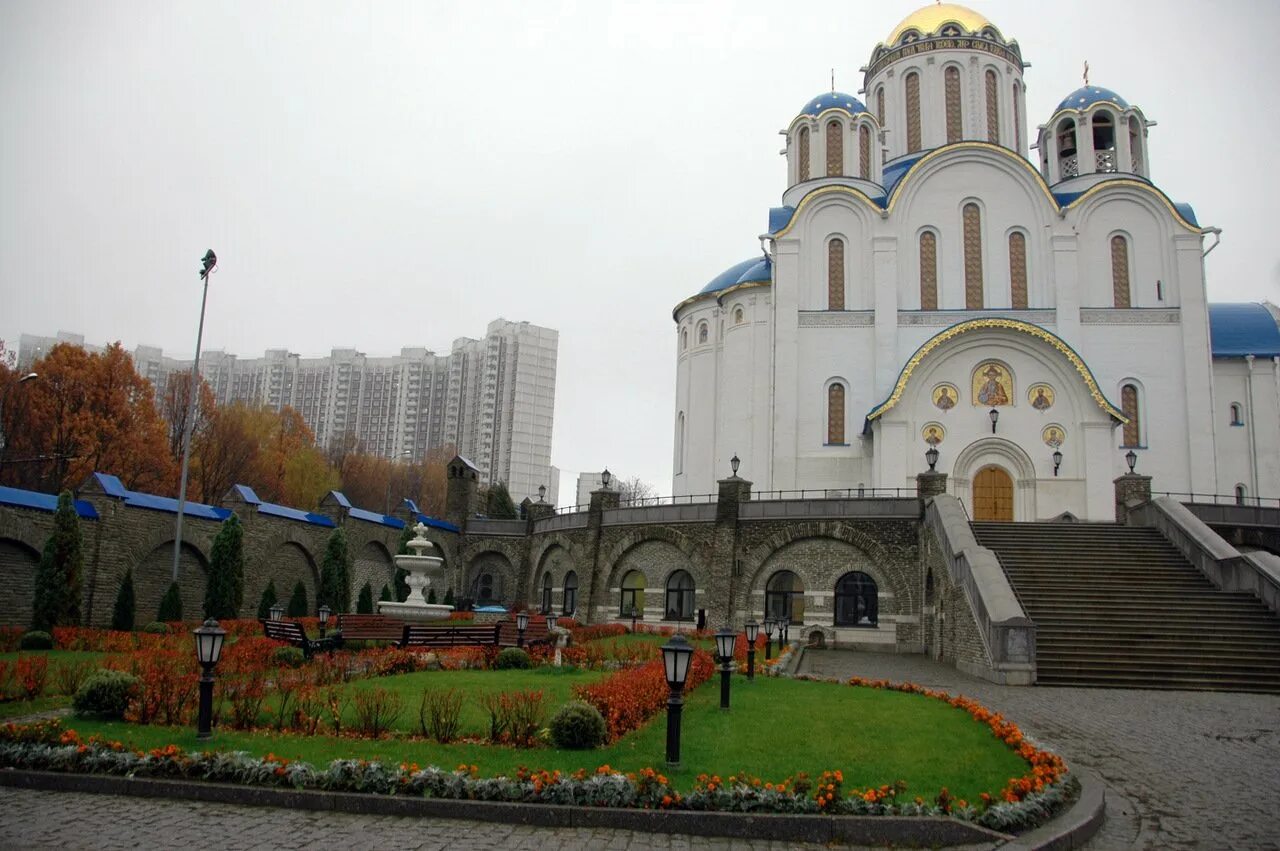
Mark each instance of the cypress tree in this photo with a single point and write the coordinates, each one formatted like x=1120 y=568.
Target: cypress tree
x=448 y=596
x=58 y=576
x=298 y=602
x=268 y=600
x=431 y=595
x=406 y=535
x=335 y=574
x=385 y=594
x=364 y=605
x=499 y=503
x=170 y=605
x=122 y=617
x=402 y=585
x=224 y=589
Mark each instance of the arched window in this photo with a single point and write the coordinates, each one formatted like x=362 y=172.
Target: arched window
x=679 y=605
x=1068 y=163
x=880 y=106
x=835 y=149
x=804 y=153
x=835 y=274
x=702 y=333
x=632 y=595
x=1237 y=414
x=1018 y=270
x=835 y=413
x=483 y=589
x=864 y=152
x=684 y=339
x=912 y=84
x=1129 y=405
x=993 y=108
x=738 y=316
x=784 y=597
x=972 y=257
x=955 y=120
x=570 y=593
x=928 y=271
x=1120 y=271
x=680 y=443
x=857 y=601
x=1017 y=120
x=1135 y=144
x=1242 y=494
x=546 y=592
x=1104 y=141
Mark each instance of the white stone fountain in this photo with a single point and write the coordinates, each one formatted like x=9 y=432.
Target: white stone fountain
x=423 y=572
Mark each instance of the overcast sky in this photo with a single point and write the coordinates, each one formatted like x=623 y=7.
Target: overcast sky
x=399 y=174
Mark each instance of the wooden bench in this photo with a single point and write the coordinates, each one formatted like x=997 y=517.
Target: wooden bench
x=370 y=628
x=292 y=633
x=535 y=633
x=465 y=635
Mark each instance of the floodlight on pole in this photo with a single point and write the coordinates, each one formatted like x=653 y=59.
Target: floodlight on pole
x=207 y=265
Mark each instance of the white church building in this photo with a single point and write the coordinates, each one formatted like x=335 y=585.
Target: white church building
x=1032 y=306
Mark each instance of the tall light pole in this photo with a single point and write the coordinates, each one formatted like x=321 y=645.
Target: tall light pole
x=4 y=439
x=193 y=392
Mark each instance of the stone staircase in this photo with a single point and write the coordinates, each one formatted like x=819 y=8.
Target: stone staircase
x=1118 y=606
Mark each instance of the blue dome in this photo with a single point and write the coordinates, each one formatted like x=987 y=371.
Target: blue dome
x=757 y=269
x=1085 y=97
x=833 y=100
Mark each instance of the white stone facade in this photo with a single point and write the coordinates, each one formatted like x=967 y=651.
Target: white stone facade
x=944 y=250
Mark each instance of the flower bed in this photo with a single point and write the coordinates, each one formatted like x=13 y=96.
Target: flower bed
x=632 y=696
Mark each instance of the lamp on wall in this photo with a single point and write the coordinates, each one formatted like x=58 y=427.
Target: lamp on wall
x=542 y=493
x=1057 y=460
x=605 y=478
x=932 y=457
x=995 y=417
x=733 y=463
x=1131 y=458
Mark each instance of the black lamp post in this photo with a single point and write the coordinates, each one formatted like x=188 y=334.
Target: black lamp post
x=277 y=612
x=542 y=493
x=784 y=631
x=634 y=615
x=676 y=656
x=209 y=638
x=324 y=618
x=769 y=625
x=1131 y=458
x=725 y=640
x=605 y=478
x=1057 y=460
x=932 y=457
x=733 y=463
x=995 y=416
x=753 y=632
x=522 y=623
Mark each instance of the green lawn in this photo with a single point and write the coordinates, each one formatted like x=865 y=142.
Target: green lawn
x=777 y=727
x=17 y=708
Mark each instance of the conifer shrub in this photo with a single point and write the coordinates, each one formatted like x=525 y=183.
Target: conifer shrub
x=122 y=616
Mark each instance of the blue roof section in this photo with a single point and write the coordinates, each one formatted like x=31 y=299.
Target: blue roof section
x=833 y=100
x=273 y=510
x=111 y=485
x=164 y=503
x=247 y=494
x=375 y=517
x=340 y=498
x=1086 y=96
x=729 y=276
x=43 y=502
x=779 y=217
x=895 y=172
x=437 y=524
x=1184 y=210
x=761 y=272
x=1237 y=330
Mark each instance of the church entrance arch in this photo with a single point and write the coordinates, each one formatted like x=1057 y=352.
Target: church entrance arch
x=993 y=495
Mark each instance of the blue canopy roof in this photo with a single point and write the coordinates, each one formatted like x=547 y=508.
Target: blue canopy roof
x=437 y=524
x=42 y=502
x=1236 y=330
x=375 y=517
x=833 y=100
x=1086 y=96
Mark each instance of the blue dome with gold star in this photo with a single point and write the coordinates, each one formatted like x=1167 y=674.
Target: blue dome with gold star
x=833 y=100
x=1086 y=96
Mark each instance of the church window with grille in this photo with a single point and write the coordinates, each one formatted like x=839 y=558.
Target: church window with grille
x=912 y=84
x=1129 y=405
x=972 y=257
x=835 y=149
x=993 y=108
x=1018 y=270
x=835 y=414
x=864 y=152
x=1120 y=271
x=804 y=153
x=955 y=118
x=928 y=271
x=835 y=274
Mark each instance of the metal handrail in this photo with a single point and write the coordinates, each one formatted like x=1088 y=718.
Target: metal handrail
x=1222 y=499
x=838 y=493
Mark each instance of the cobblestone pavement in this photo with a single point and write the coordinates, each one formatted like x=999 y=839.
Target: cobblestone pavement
x=1183 y=769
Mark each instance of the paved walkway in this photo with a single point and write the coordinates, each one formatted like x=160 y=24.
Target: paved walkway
x=1183 y=769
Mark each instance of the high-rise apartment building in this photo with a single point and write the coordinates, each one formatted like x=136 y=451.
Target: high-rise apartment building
x=492 y=398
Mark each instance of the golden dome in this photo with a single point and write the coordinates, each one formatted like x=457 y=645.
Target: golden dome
x=930 y=19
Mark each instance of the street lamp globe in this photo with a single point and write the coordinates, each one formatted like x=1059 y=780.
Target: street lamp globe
x=209 y=639
x=931 y=456
x=605 y=478
x=994 y=414
x=1131 y=458
x=733 y=463
x=522 y=621
x=753 y=631
x=324 y=613
x=551 y=622
x=676 y=656
x=277 y=612
x=725 y=641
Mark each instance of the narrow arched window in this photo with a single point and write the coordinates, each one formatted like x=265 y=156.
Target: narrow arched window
x=1018 y=270
x=835 y=149
x=835 y=414
x=972 y=257
x=1068 y=162
x=912 y=84
x=993 y=108
x=864 y=152
x=1237 y=414
x=955 y=119
x=1017 y=120
x=684 y=339
x=570 y=593
x=835 y=274
x=738 y=316
x=546 y=592
x=857 y=600
x=784 y=597
x=680 y=443
x=880 y=106
x=702 y=333
x=1129 y=405
x=1242 y=494
x=632 y=602
x=1120 y=271
x=1135 y=145
x=679 y=602
x=804 y=153
x=928 y=271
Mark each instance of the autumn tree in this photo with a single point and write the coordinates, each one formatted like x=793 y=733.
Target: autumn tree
x=175 y=403
x=225 y=453
x=635 y=489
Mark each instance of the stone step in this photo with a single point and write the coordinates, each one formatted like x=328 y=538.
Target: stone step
x=1071 y=596
x=1187 y=644
x=1207 y=662
x=1121 y=622
x=1156 y=681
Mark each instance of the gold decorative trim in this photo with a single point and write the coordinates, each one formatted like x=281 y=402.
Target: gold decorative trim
x=1036 y=331
x=1145 y=187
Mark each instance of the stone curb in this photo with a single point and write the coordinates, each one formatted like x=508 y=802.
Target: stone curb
x=854 y=830
x=1073 y=828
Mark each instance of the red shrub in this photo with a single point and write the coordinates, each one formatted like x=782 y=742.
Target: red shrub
x=167 y=684
x=376 y=709
x=31 y=673
x=601 y=630
x=631 y=696
x=462 y=616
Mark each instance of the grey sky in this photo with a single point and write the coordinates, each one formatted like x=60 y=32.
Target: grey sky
x=401 y=173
